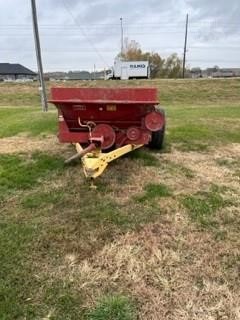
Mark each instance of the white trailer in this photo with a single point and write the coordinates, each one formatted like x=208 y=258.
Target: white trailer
x=125 y=70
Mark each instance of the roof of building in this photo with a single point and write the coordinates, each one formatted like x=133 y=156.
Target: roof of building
x=15 y=68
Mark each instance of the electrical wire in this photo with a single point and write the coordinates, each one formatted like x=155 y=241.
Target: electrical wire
x=86 y=37
x=110 y=29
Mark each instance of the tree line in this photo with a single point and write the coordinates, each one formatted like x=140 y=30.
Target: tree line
x=170 y=67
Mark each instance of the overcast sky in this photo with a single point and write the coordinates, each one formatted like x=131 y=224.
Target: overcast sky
x=76 y=34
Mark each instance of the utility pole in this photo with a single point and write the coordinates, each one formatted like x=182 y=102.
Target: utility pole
x=104 y=73
x=42 y=88
x=121 y=21
x=185 y=47
x=94 y=72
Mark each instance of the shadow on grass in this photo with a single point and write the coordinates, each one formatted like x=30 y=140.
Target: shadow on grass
x=145 y=156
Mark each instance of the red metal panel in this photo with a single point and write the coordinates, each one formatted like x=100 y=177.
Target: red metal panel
x=123 y=110
x=121 y=107
x=105 y=95
x=123 y=116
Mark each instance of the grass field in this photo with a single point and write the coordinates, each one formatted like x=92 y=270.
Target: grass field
x=158 y=239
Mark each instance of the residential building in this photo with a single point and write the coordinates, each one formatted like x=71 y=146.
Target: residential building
x=13 y=72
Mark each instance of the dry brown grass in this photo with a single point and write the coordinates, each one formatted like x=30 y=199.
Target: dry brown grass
x=173 y=270
x=205 y=168
x=126 y=178
x=25 y=144
x=172 y=90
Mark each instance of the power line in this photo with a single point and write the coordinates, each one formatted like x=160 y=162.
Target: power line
x=94 y=30
x=93 y=35
x=89 y=50
x=89 y=25
x=90 y=42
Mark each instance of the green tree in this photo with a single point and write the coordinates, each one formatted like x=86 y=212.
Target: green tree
x=156 y=63
x=172 y=67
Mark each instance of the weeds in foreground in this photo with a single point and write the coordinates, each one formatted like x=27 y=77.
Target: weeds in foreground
x=113 y=307
x=153 y=191
x=203 y=205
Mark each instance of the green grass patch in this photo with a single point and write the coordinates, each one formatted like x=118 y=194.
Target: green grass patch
x=85 y=207
x=113 y=308
x=41 y=200
x=176 y=169
x=63 y=301
x=29 y=120
x=20 y=286
x=145 y=156
x=17 y=172
x=198 y=137
x=153 y=191
x=16 y=279
x=195 y=128
x=103 y=211
x=202 y=206
x=193 y=146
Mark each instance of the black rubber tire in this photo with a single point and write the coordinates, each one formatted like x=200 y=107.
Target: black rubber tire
x=157 y=139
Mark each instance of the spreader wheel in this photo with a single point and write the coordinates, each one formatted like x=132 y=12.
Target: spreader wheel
x=157 y=139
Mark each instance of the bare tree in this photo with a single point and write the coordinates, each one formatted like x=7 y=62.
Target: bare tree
x=170 y=67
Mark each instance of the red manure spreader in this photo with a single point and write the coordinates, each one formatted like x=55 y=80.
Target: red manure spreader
x=106 y=123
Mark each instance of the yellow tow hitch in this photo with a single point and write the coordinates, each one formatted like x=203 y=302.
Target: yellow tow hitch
x=95 y=161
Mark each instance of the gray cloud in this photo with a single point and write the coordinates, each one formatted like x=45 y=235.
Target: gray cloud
x=75 y=34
